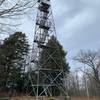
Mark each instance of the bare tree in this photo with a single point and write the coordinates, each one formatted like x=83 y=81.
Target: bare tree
x=91 y=60
x=11 y=10
x=72 y=84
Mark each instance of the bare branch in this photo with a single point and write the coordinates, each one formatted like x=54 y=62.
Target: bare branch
x=91 y=60
x=13 y=10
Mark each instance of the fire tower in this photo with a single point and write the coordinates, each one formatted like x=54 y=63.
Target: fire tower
x=44 y=29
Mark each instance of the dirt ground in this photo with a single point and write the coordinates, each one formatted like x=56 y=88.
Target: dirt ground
x=54 y=98
x=85 y=98
x=33 y=98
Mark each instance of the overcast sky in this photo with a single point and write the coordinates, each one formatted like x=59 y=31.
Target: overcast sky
x=77 y=24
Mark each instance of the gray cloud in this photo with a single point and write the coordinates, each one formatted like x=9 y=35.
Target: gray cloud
x=77 y=23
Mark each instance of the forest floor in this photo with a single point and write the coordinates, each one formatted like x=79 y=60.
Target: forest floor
x=50 y=98
x=54 y=98
x=85 y=98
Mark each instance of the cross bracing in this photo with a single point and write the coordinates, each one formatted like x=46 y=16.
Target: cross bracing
x=47 y=78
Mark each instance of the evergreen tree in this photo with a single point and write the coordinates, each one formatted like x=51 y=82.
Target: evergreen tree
x=12 y=55
x=54 y=57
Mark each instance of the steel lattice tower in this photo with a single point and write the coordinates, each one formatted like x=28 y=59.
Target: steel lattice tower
x=44 y=29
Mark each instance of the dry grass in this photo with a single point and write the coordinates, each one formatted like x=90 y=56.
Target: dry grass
x=33 y=98
x=54 y=98
x=85 y=98
x=23 y=98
